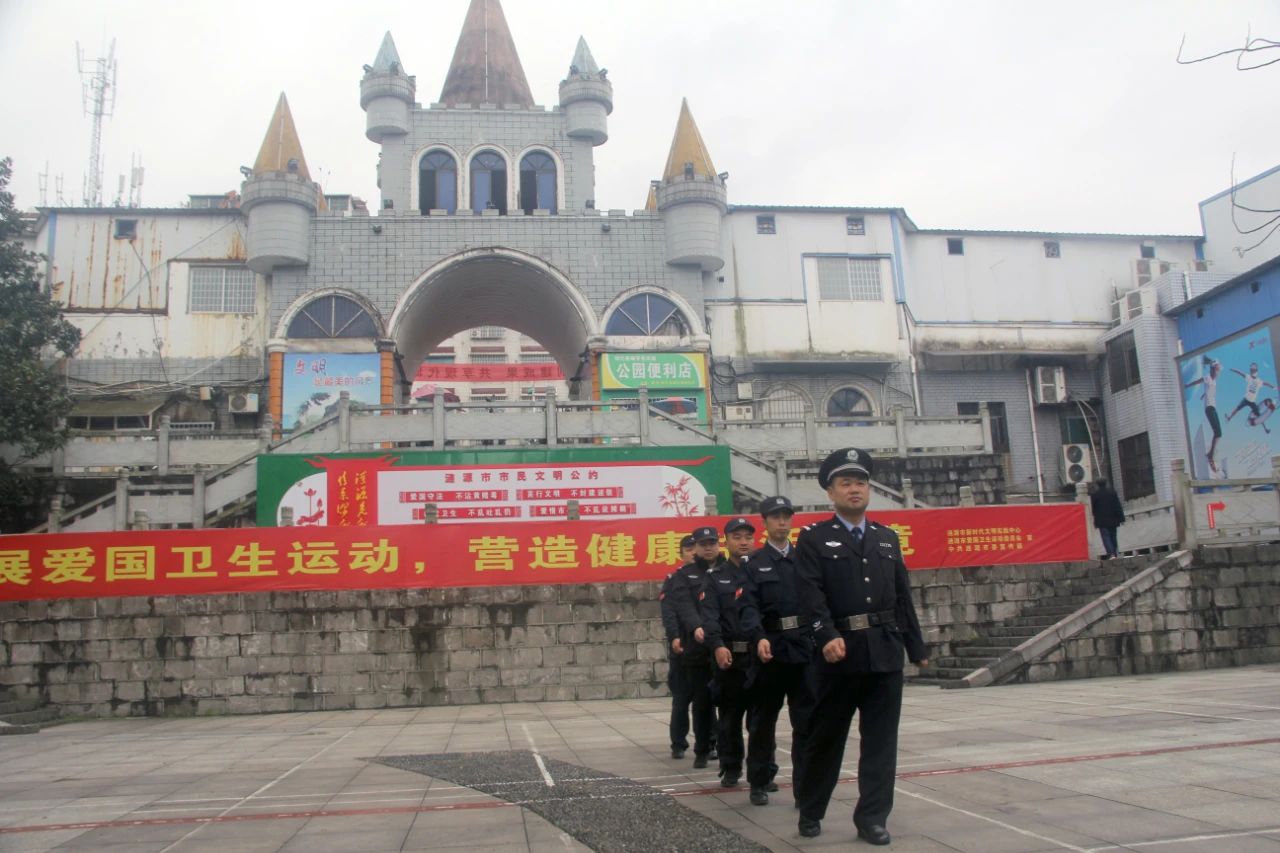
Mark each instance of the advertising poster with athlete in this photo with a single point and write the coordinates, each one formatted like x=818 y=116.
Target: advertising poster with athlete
x=1229 y=397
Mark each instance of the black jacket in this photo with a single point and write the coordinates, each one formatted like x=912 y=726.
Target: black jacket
x=725 y=608
x=682 y=599
x=839 y=579
x=670 y=622
x=1107 y=509
x=774 y=590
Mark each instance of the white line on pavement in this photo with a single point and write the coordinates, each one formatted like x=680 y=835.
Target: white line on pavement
x=1064 y=845
x=537 y=758
x=1186 y=839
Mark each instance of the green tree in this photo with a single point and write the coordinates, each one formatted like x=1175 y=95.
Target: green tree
x=34 y=337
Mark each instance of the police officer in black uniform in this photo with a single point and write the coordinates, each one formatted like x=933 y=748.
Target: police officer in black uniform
x=687 y=640
x=783 y=643
x=723 y=607
x=677 y=678
x=855 y=595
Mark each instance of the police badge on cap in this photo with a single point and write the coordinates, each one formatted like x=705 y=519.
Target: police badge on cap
x=738 y=524
x=848 y=460
x=704 y=533
x=778 y=503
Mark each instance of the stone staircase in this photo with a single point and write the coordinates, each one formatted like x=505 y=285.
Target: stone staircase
x=1068 y=596
x=23 y=716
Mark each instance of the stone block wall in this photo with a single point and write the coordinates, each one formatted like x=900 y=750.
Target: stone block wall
x=1224 y=610
x=296 y=651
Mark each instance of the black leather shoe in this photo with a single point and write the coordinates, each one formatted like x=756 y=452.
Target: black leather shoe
x=729 y=778
x=714 y=755
x=699 y=762
x=874 y=834
x=759 y=797
x=677 y=752
x=810 y=828
x=771 y=787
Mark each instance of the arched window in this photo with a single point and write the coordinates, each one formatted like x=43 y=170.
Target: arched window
x=785 y=403
x=647 y=314
x=332 y=317
x=846 y=402
x=489 y=182
x=537 y=182
x=438 y=183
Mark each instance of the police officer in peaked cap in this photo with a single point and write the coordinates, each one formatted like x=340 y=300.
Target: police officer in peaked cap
x=783 y=643
x=856 y=597
x=677 y=677
x=686 y=637
x=725 y=611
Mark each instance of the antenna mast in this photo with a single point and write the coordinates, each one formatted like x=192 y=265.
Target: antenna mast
x=98 y=87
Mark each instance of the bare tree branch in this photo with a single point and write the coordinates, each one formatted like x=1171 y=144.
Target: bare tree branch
x=1251 y=45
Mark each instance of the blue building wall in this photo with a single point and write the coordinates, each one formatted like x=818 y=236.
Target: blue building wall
x=1231 y=308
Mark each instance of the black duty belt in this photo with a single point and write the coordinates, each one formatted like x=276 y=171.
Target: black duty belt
x=863 y=621
x=738 y=647
x=786 y=623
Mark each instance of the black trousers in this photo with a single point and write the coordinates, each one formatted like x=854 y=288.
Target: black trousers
x=877 y=699
x=681 y=699
x=731 y=705
x=697 y=682
x=775 y=683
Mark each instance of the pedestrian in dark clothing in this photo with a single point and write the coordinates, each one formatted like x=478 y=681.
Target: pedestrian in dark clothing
x=856 y=597
x=722 y=606
x=1108 y=515
x=677 y=678
x=688 y=639
x=783 y=643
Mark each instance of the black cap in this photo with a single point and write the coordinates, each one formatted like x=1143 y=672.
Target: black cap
x=702 y=533
x=737 y=524
x=847 y=460
x=777 y=503
x=687 y=542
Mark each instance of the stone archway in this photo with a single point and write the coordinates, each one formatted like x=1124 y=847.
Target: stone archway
x=494 y=286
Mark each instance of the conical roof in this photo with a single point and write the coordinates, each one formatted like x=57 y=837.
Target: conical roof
x=281 y=144
x=583 y=61
x=387 y=56
x=486 y=68
x=688 y=147
x=651 y=203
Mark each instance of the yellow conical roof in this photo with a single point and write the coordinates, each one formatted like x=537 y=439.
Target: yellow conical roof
x=651 y=203
x=281 y=144
x=688 y=147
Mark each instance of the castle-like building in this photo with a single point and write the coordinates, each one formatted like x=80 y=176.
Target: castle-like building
x=488 y=268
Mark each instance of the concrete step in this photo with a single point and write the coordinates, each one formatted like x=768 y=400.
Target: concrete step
x=925 y=681
x=39 y=715
x=6 y=729
x=1032 y=621
x=948 y=672
x=1054 y=609
x=989 y=651
x=1011 y=632
x=14 y=706
x=968 y=664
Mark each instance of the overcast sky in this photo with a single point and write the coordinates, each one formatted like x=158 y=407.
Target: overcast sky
x=1007 y=115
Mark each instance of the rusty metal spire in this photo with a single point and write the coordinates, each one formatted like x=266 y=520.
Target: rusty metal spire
x=486 y=68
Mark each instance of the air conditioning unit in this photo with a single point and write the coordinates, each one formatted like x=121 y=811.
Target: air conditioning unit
x=1133 y=304
x=1077 y=463
x=1145 y=270
x=739 y=412
x=1051 y=385
x=243 y=403
x=1200 y=265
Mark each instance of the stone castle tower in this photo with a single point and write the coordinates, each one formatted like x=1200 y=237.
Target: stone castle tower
x=487 y=216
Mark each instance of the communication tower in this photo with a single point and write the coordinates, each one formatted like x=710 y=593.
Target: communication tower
x=98 y=86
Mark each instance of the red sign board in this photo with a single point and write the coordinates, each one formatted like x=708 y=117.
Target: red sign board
x=194 y=562
x=535 y=372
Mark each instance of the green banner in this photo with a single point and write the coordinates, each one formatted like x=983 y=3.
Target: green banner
x=516 y=484
x=686 y=370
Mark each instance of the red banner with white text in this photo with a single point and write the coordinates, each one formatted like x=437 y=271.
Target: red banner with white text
x=196 y=562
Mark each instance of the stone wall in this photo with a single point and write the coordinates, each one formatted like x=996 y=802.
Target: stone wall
x=293 y=651
x=1224 y=610
x=297 y=651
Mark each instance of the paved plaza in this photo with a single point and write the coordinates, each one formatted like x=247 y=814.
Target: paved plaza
x=1171 y=763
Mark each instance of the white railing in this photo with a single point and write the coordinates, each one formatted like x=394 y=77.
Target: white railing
x=1226 y=512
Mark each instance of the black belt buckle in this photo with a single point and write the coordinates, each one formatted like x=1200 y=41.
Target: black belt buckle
x=788 y=623
x=738 y=647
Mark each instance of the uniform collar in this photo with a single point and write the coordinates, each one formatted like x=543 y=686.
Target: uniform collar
x=850 y=526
